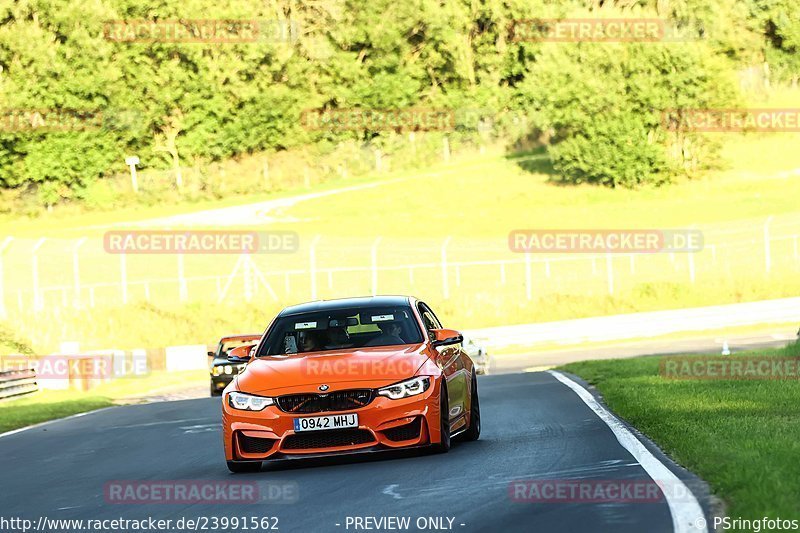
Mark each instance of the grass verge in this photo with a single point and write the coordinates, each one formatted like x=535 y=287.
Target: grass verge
x=741 y=436
x=52 y=404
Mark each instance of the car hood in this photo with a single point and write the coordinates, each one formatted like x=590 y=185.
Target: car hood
x=338 y=369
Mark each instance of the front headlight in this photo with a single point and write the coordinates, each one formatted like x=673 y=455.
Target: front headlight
x=404 y=389
x=228 y=369
x=217 y=370
x=248 y=402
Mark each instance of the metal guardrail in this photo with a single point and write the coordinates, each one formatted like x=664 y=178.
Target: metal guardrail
x=17 y=382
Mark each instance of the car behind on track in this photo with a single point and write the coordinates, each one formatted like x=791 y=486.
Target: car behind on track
x=220 y=368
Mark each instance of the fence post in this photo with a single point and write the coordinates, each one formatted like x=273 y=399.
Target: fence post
x=183 y=292
x=767 y=251
x=445 y=288
x=374 y=253
x=247 y=277
x=76 y=273
x=37 y=297
x=3 y=313
x=528 y=288
x=312 y=266
x=610 y=273
x=123 y=275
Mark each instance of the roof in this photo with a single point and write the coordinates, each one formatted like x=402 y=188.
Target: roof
x=241 y=337
x=346 y=303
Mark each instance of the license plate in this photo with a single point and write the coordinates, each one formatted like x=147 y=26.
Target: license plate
x=317 y=423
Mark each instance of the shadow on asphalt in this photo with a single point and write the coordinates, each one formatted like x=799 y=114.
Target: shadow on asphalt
x=282 y=465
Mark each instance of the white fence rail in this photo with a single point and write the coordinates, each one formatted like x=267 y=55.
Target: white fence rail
x=76 y=273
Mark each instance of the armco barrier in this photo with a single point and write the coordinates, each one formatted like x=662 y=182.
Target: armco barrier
x=17 y=383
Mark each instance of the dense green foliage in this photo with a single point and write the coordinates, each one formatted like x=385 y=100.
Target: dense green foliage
x=175 y=104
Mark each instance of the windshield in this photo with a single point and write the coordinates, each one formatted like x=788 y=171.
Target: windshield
x=342 y=329
x=227 y=346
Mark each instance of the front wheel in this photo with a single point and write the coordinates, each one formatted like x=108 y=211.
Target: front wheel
x=444 y=421
x=239 y=467
x=474 y=430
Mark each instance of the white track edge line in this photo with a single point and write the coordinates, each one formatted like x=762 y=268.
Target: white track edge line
x=48 y=422
x=687 y=515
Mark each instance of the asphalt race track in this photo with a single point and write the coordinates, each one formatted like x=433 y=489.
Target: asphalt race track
x=534 y=427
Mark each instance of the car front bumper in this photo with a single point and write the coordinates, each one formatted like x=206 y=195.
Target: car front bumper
x=383 y=424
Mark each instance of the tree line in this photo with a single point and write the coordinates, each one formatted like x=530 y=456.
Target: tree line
x=86 y=83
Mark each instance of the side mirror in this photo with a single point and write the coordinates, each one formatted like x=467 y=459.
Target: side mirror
x=242 y=354
x=211 y=354
x=446 y=337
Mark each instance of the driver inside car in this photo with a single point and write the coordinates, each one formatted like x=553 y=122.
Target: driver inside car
x=390 y=335
x=338 y=337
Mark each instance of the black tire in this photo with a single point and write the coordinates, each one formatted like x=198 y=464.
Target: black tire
x=240 y=467
x=474 y=430
x=444 y=421
x=214 y=391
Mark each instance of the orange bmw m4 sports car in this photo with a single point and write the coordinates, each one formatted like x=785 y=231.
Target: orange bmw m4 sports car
x=351 y=375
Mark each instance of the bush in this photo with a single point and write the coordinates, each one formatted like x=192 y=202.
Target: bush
x=602 y=104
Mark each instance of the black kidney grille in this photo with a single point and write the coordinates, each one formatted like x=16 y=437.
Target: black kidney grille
x=405 y=432
x=254 y=444
x=321 y=403
x=327 y=439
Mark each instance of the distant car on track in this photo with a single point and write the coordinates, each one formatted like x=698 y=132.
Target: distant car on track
x=222 y=371
x=356 y=374
x=478 y=354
